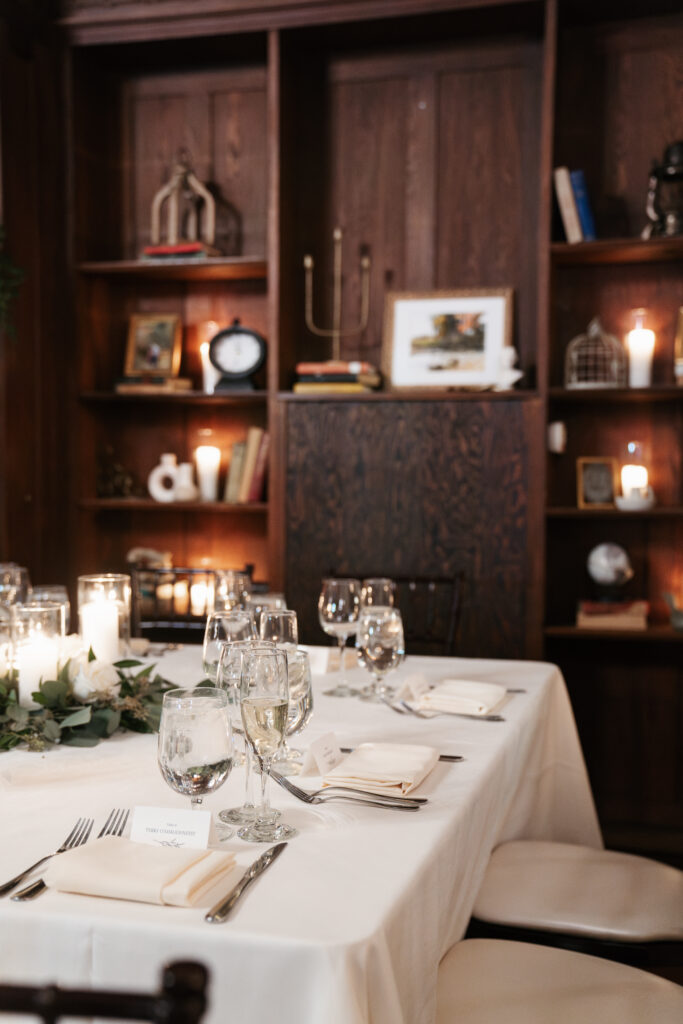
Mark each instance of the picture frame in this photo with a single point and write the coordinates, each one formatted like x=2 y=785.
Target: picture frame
x=447 y=339
x=597 y=481
x=154 y=345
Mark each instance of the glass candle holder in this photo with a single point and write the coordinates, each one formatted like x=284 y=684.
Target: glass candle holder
x=104 y=614
x=37 y=636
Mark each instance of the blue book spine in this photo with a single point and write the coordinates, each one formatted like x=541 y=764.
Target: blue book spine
x=583 y=206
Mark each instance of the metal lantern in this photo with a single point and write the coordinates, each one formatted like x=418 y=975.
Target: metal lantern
x=595 y=360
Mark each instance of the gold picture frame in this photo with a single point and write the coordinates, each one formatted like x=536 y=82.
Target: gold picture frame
x=446 y=339
x=597 y=481
x=154 y=345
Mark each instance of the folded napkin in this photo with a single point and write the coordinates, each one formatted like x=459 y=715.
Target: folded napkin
x=120 y=869
x=394 y=768
x=463 y=696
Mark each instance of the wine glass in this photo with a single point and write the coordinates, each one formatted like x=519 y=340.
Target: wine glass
x=231 y=589
x=265 y=701
x=195 y=741
x=237 y=624
x=280 y=626
x=380 y=642
x=9 y=589
x=338 y=607
x=228 y=678
x=56 y=592
x=377 y=590
x=299 y=712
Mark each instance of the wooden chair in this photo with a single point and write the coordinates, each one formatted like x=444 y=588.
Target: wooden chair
x=488 y=981
x=609 y=904
x=181 y=999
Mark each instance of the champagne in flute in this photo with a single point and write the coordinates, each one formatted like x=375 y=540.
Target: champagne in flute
x=265 y=720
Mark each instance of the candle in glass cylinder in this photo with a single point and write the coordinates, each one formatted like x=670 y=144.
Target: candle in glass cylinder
x=99 y=621
x=641 y=344
x=36 y=659
x=208 y=463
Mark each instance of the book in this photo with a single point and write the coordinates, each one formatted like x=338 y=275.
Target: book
x=583 y=206
x=371 y=380
x=149 y=386
x=335 y=366
x=234 y=477
x=258 y=480
x=567 y=205
x=253 y=442
x=612 y=615
x=310 y=387
x=180 y=250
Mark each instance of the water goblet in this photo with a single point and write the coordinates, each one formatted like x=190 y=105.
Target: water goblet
x=377 y=590
x=299 y=712
x=280 y=626
x=381 y=645
x=236 y=624
x=264 y=703
x=338 y=607
x=195 y=742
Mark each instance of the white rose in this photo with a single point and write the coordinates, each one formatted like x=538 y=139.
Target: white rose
x=95 y=679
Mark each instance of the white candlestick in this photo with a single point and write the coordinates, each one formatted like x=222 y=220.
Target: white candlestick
x=633 y=480
x=208 y=463
x=210 y=375
x=99 y=621
x=641 y=345
x=37 y=658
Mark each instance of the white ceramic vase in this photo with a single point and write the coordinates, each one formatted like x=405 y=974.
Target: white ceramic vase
x=161 y=482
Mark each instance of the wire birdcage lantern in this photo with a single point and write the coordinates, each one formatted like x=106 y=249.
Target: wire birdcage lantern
x=595 y=360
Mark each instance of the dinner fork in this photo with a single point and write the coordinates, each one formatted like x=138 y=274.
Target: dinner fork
x=113 y=826
x=355 y=796
x=78 y=834
x=458 y=714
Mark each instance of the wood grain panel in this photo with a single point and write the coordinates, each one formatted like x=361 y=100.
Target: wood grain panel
x=413 y=488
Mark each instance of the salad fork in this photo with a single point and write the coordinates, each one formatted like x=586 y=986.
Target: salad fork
x=113 y=826
x=78 y=834
x=356 y=796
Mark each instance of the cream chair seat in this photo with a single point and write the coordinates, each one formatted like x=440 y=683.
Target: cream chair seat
x=580 y=891
x=489 y=981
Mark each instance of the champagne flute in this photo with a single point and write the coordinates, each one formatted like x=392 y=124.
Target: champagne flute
x=299 y=711
x=195 y=743
x=236 y=624
x=380 y=642
x=280 y=626
x=377 y=590
x=338 y=607
x=265 y=699
x=228 y=678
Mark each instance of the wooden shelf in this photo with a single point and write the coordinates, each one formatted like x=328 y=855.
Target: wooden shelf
x=412 y=395
x=238 y=268
x=656 y=634
x=148 y=505
x=570 y=512
x=658 y=393
x=618 y=251
x=177 y=398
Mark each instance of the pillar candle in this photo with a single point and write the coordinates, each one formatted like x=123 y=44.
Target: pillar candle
x=641 y=344
x=633 y=480
x=208 y=463
x=100 y=629
x=37 y=658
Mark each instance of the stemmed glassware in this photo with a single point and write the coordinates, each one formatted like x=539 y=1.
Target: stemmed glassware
x=280 y=626
x=231 y=589
x=236 y=624
x=299 y=712
x=265 y=702
x=338 y=608
x=195 y=743
x=380 y=642
x=377 y=590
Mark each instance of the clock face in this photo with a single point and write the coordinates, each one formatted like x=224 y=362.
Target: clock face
x=236 y=352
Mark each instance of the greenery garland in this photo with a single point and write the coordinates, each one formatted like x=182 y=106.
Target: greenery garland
x=64 y=717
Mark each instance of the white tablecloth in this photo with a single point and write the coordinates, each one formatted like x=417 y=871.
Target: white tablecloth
x=350 y=924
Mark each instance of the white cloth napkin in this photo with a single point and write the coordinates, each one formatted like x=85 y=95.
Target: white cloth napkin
x=463 y=696
x=395 y=768
x=116 y=867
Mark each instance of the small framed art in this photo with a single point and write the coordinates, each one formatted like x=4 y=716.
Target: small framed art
x=446 y=339
x=154 y=345
x=597 y=482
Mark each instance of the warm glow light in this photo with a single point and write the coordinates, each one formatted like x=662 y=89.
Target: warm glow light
x=201 y=598
x=208 y=460
x=634 y=479
x=641 y=345
x=99 y=621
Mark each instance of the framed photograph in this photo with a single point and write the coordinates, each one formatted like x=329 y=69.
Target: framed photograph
x=597 y=482
x=154 y=345
x=446 y=339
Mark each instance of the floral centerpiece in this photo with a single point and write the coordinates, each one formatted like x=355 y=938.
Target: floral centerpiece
x=87 y=702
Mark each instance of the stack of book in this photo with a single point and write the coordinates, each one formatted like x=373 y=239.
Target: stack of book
x=574 y=204
x=336 y=376
x=612 y=615
x=178 y=251
x=246 y=479
x=152 y=385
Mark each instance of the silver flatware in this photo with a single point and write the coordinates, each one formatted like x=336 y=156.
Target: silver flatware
x=354 y=796
x=442 y=757
x=78 y=834
x=113 y=826
x=407 y=710
x=219 y=913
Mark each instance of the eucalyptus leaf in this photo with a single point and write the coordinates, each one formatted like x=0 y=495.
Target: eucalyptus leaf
x=16 y=713
x=80 y=739
x=80 y=717
x=127 y=663
x=54 y=693
x=91 y=655
x=52 y=730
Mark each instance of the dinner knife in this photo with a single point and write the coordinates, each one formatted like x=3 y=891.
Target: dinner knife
x=219 y=913
x=442 y=757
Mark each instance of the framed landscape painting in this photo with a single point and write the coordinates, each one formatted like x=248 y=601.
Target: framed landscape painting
x=446 y=339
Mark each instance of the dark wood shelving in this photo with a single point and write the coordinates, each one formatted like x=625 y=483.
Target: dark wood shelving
x=177 y=398
x=412 y=395
x=584 y=396
x=656 y=634
x=570 y=512
x=618 y=251
x=213 y=268
x=148 y=505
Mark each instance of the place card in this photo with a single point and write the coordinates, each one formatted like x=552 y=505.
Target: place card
x=322 y=755
x=168 y=826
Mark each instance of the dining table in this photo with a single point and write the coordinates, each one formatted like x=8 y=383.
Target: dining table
x=349 y=924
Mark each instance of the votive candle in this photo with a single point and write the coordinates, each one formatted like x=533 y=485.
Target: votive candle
x=641 y=345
